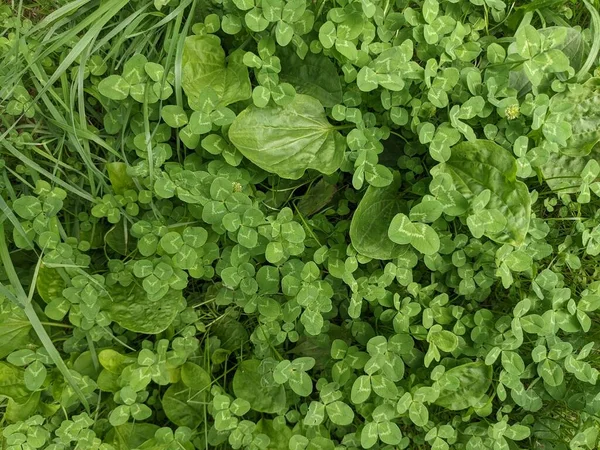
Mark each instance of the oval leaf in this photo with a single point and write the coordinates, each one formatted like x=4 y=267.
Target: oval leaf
x=582 y=114
x=479 y=165
x=315 y=75
x=288 y=140
x=247 y=385
x=370 y=223
x=204 y=66
x=131 y=308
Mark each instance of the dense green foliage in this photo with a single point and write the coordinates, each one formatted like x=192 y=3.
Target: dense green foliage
x=299 y=224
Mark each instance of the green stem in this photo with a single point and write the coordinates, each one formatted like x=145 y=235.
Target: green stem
x=56 y=324
x=398 y=135
x=307 y=226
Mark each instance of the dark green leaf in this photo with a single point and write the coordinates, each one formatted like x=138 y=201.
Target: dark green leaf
x=372 y=218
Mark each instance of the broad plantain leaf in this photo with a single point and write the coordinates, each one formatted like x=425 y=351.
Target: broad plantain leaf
x=130 y=435
x=119 y=179
x=185 y=402
x=562 y=173
x=247 y=384
x=579 y=108
x=315 y=75
x=466 y=385
x=370 y=223
x=15 y=329
x=231 y=333
x=476 y=166
x=131 y=308
x=12 y=383
x=183 y=406
x=288 y=140
x=204 y=66
x=279 y=436
x=317 y=197
x=16 y=411
x=119 y=239
x=49 y=283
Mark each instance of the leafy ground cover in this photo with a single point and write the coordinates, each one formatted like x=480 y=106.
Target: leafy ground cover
x=299 y=224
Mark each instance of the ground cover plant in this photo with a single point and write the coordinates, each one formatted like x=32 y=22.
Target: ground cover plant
x=299 y=224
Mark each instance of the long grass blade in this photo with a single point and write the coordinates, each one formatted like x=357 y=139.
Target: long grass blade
x=593 y=55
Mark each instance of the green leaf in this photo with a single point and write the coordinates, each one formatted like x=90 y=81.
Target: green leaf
x=288 y=140
x=429 y=210
x=279 y=435
x=27 y=207
x=185 y=406
x=361 y=389
x=384 y=387
x=476 y=166
x=369 y=435
x=231 y=333
x=283 y=33
x=517 y=432
x=551 y=372
x=172 y=241
x=578 y=109
x=389 y=432
x=174 y=116
x=444 y=340
x=35 y=375
x=247 y=385
x=431 y=9
x=422 y=237
x=301 y=384
x=131 y=308
x=17 y=412
x=315 y=75
x=327 y=34
x=339 y=413
x=372 y=218
x=574 y=46
x=244 y=5
x=255 y=20
x=114 y=87
x=418 y=413
x=528 y=41
x=130 y=435
x=283 y=94
x=134 y=69
x=119 y=179
x=315 y=414
x=562 y=172
x=261 y=96
x=465 y=386
x=12 y=383
x=15 y=330
x=204 y=66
